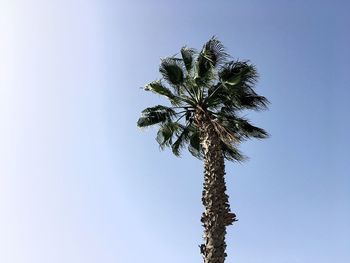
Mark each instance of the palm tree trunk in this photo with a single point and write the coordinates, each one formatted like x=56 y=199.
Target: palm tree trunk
x=217 y=213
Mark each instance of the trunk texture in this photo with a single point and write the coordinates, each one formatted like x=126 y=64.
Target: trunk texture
x=217 y=213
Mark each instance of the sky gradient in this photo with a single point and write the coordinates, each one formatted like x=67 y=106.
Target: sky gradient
x=79 y=182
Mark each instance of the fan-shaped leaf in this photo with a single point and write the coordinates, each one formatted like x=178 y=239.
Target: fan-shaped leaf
x=194 y=146
x=236 y=72
x=159 y=88
x=172 y=70
x=247 y=130
x=214 y=52
x=231 y=153
x=252 y=102
x=211 y=56
x=166 y=133
x=187 y=56
x=181 y=140
x=155 y=115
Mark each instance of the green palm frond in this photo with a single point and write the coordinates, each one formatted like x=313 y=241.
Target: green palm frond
x=236 y=88
x=182 y=139
x=214 y=52
x=246 y=130
x=194 y=146
x=159 y=88
x=211 y=56
x=172 y=70
x=252 y=102
x=188 y=57
x=231 y=153
x=240 y=128
x=237 y=79
x=154 y=115
x=236 y=72
x=166 y=133
x=241 y=97
x=203 y=67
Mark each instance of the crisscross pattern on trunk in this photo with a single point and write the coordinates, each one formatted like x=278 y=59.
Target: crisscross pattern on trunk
x=217 y=213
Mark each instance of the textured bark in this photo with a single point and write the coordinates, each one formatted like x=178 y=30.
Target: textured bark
x=217 y=213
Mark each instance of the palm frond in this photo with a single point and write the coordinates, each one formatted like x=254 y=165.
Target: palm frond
x=172 y=70
x=247 y=130
x=211 y=56
x=159 y=88
x=194 y=146
x=181 y=141
x=188 y=57
x=252 y=102
x=239 y=96
x=237 y=80
x=203 y=67
x=236 y=72
x=166 y=133
x=240 y=128
x=154 y=115
x=231 y=153
x=214 y=52
x=224 y=132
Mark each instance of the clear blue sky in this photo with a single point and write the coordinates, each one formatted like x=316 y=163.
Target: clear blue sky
x=80 y=183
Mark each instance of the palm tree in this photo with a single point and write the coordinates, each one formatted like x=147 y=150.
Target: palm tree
x=207 y=92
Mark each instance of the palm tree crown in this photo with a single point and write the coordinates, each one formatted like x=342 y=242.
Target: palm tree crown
x=207 y=82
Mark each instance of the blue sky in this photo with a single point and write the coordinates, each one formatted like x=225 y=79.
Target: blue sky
x=80 y=183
